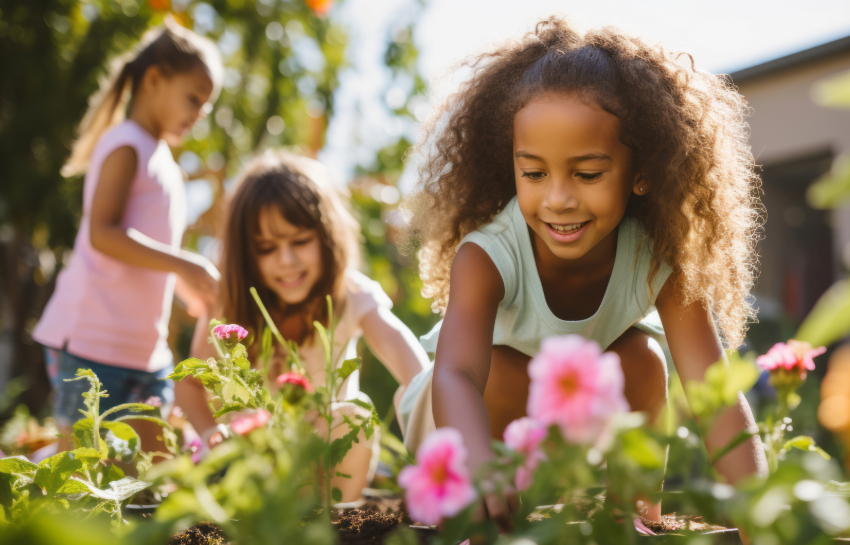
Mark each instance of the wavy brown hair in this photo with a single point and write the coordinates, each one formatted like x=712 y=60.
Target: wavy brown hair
x=686 y=129
x=298 y=187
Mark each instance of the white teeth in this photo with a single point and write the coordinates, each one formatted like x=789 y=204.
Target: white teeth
x=566 y=228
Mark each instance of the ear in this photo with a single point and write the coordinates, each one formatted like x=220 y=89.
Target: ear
x=640 y=186
x=153 y=77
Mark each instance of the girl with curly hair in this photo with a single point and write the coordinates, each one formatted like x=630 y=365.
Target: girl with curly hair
x=575 y=183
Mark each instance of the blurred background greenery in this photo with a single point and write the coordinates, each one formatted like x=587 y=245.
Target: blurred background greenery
x=283 y=62
x=287 y=61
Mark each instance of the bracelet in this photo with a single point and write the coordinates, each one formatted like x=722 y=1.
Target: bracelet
x=209 y=432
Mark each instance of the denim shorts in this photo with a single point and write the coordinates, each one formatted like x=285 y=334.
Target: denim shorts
x=123 y=386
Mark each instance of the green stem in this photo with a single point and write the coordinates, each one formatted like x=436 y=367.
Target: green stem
x=274 y=329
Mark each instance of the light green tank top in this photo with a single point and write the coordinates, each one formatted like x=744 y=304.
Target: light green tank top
x=524 y=319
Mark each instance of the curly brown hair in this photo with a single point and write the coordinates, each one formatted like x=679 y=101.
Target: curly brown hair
x=686 y=129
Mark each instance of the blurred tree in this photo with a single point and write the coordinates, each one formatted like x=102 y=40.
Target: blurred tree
x=282 y=59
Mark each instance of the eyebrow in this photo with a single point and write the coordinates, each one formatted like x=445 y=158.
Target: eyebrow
x=578 y=159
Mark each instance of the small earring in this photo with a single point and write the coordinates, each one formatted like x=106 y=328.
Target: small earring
x=640 y=189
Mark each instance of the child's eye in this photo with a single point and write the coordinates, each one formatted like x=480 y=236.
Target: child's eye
x=533 y=175
x=588 y=176
x=302 y=241
x=265 y=250
x=195 y=101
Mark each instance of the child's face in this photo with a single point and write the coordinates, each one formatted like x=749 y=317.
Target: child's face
x=179 y=101
x=573 y=174
x=289 y=258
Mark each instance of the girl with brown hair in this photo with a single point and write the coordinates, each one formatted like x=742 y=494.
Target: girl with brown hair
x=575 y=184
x=289 y=235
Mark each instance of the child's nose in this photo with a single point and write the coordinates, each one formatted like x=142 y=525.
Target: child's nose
x=288 y=256
x=560 y=196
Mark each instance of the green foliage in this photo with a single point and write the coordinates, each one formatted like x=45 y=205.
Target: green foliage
x=73 y=481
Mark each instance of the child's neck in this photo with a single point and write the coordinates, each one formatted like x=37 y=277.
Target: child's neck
x=574 y=288
x=145 y=119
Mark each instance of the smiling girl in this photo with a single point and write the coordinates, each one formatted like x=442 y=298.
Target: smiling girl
x=289 y=235
x=112 y=302
x=575 y=184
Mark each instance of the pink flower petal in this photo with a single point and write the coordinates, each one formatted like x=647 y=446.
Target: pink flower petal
x=576 y=386
x=223 y=332
x=438 y=485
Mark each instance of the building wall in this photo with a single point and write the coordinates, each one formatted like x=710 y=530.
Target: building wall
x=794 y=140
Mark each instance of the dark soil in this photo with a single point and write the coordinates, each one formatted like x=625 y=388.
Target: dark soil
x=204 y=533
x=672 y=523
x=371 y=520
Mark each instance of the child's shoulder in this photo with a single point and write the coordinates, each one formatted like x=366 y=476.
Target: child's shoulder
x=363 y=295
x=126 y=133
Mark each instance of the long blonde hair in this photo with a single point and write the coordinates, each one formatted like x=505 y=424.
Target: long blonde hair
x=170 y=47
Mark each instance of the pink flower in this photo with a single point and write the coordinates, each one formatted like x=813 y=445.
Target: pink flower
x=295 y=379
x=196 y=447
x=223 y=332
x=295 y=386
x=2 y=455
x=245 y=424
x=439 y=485
x=793 y=355
x=153 y=401
x=524 y=436
x=576 y=386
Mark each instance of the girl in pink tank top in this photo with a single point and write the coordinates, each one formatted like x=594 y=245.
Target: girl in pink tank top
x=112 y=302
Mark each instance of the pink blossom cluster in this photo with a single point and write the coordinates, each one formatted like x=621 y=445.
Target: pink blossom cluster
x=576 y=386
x=295 y=379
x=791 y=355
x=245 y=424
x=438 y=485
x=196 y=447
x=223 y=332
x=524 y=436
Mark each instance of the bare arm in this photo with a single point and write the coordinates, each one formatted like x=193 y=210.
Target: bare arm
x=694 y=345
x=130 y=246
x=464 y=350
x=189 y=393
x=394 y=344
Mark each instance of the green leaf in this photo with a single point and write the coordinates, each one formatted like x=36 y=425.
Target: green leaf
x=340 y=447
x=336 y=494
x=362 y=404
x=806 y=443
x=641 y=448
x=54 y=471
x=737 y=440
x=6 y=486
x=829 y=320
x=87 y=455
x=118 y=490
x=323 y=336
x=73 y=486
x=833 y=188
x=227 y=408
x=16 y=464
x=348 y=367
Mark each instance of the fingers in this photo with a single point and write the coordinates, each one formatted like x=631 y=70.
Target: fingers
x=499 y=512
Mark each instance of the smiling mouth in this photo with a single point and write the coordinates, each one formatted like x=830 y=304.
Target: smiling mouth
x=567 y=228
x=293 y=281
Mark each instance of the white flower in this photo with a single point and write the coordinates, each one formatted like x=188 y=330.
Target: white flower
x=120 y=446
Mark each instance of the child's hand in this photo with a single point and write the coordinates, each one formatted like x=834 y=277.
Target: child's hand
x=500 y=508
x=200 y=282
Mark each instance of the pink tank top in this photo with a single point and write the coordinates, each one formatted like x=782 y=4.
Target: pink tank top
x=106 y=310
